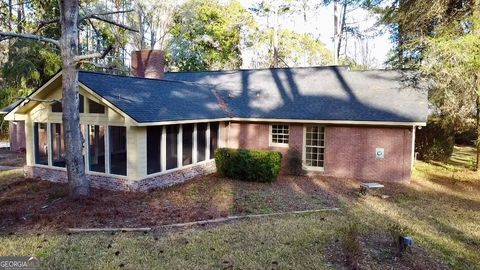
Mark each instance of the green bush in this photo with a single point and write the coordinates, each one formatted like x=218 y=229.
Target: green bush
x=251 y=165
x=435 y=141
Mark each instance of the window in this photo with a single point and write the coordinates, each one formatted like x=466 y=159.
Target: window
x=213 y=138
x=40 y=143
x=57 y=105
x=118 y=150
x=96 y=148
x=81 y=103
x=314 y=146
x=201 y=141
x=94 y=107
x=154 y=149
x=279 y=135
x=58 y=147
x=172 y=151
x=187 y=144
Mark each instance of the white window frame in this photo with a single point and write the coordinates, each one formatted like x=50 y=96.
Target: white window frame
x=304 y=150
x=270 y=136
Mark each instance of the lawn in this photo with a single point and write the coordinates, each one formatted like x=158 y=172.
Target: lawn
x=440 y=208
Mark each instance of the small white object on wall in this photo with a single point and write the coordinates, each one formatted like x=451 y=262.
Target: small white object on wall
x=379 y=153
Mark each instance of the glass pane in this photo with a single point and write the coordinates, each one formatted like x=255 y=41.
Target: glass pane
x=187 y=144
x=118 y=150
x=201 y=141
x=81 y=102
x=94 y=107
x=58 y=147
x=280 y=134
x=96 y=146
x=314 y=146
x=172 y=133
x=213 y=138
x=154 y=149
x=57 y=106
x=40 y=143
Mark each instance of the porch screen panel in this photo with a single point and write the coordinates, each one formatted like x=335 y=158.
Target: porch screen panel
x=201 y=141
x=187 y=144
x=40 y=143
x=118 y=150
x=154 y=149
x=213 y=138
x=314 y=146
x=172 y=133
x=96 y=147
x=58 y=147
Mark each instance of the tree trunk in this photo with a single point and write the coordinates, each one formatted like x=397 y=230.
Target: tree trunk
x=340 y=31
x=477 y=143
x=73 y=139
x=20 y=18
x=275 y=37
x=335 y=31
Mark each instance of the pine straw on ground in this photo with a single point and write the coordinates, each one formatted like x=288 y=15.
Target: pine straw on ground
x=440 y=209
x=29 y=204
x=11 y=158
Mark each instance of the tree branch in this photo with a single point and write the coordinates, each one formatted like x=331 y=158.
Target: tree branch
x=45 y=23
x=8 y=35
x=94 y=15
x=113 y=23
x=82 y=58
x=108 y=67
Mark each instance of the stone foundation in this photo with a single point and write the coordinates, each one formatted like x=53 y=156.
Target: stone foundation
x=122 y=184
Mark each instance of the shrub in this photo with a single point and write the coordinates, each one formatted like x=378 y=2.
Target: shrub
x=294 y=157
x=397 y=231
x=435 y=141
x=251 y=165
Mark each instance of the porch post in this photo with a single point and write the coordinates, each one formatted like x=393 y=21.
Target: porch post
x=136 y=152
x=29 y=142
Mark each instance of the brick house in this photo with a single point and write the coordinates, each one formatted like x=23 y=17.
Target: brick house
x=158 y=129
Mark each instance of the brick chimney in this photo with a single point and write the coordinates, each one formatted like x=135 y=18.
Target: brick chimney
x=148 y=64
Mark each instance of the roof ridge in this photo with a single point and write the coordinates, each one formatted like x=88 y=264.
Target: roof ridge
x=259 y=69
x=142 y=78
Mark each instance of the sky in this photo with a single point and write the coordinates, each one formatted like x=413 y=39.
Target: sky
x=372 y=52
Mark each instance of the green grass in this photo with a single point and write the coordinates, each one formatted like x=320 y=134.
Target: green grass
x=246 y=245
x=440 y=208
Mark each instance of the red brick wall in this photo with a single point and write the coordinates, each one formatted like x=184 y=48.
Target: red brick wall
x=16 y=132
x=350 y=150
x=256 y=136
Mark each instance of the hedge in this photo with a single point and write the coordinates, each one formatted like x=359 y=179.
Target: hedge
x=250 y=165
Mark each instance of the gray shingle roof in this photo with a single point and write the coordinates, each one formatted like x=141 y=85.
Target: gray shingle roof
x=147 y=100
x=317 y=93
x=10 y=107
